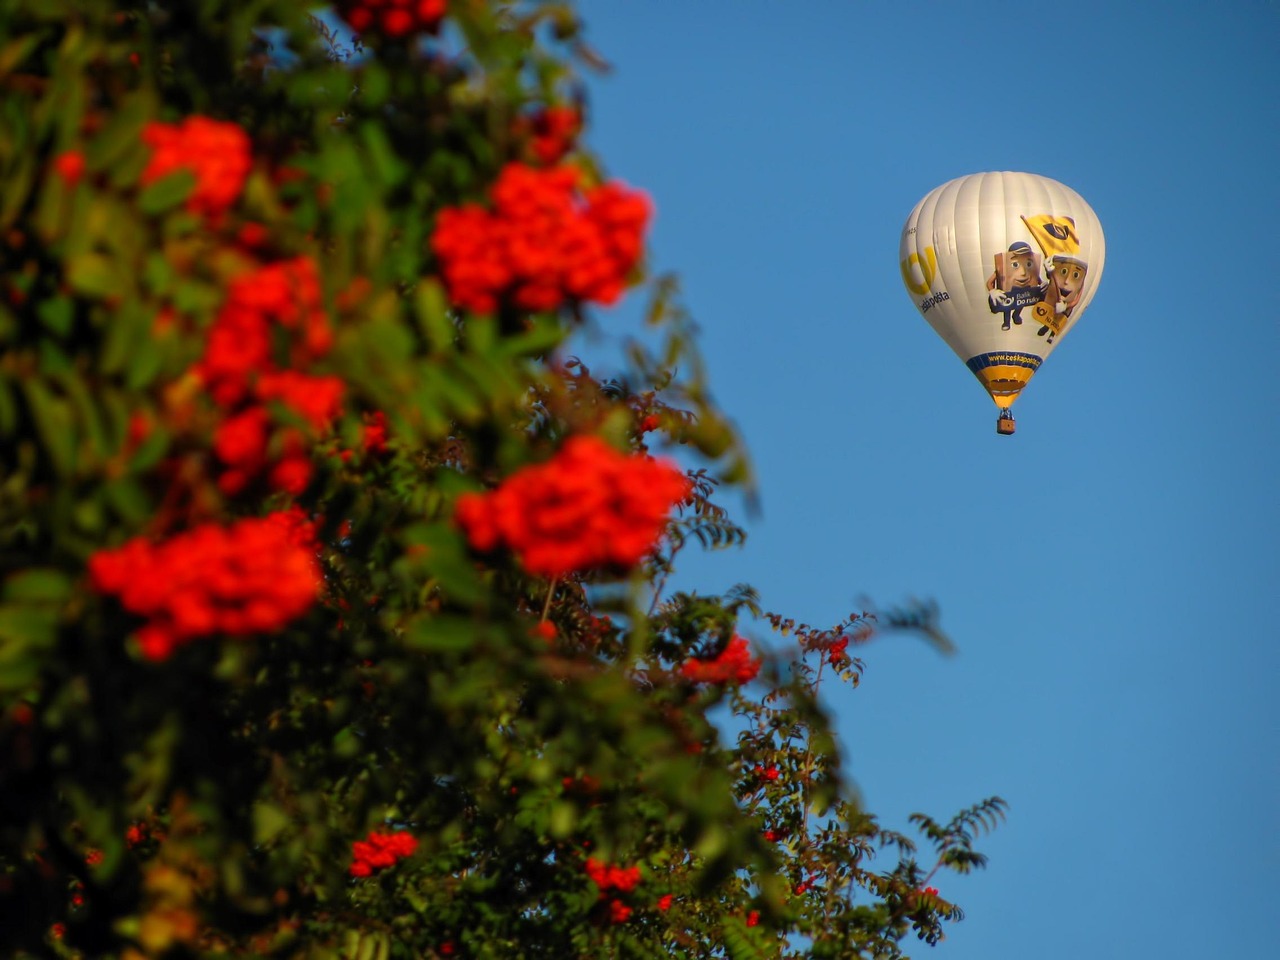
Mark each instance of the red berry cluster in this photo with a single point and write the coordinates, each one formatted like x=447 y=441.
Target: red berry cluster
x=585 y=785
x=380 y=850
x=836 y=655
x=286 y=293
x=552 y=133
x=588 y=507
x=218 y=153
x=733 y=665
x=373 y=435
x=69 y=165
x=239 y=372
x=254 y=576
x=393 y=18
x=610 y=878
x=619 y=912
x=543 y=243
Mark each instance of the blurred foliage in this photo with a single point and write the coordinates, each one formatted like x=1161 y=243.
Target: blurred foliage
x=206 y=805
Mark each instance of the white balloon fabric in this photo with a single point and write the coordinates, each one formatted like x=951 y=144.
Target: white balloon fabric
x=1002 y=265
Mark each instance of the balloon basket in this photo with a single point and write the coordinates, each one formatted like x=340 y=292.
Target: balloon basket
x=1005 y=425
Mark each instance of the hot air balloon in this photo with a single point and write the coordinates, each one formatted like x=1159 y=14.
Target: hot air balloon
x=1002 y=265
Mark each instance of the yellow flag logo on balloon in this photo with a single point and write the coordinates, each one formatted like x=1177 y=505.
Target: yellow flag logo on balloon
x=1056 y=236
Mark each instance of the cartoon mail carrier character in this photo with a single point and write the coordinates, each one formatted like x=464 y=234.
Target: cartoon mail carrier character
x=1066 y=284
x=1016 y=283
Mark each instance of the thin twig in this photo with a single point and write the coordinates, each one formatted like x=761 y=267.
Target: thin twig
x=551 y=590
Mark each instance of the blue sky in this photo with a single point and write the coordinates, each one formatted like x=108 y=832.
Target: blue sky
x=1110 y=573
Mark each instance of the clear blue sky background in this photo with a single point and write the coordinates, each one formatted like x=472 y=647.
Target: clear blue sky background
x=1110 y=573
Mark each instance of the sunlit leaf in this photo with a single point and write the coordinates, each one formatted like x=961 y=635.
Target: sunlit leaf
x=167 y=192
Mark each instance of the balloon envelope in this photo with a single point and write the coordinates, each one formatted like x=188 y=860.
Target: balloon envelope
x=1002 y=265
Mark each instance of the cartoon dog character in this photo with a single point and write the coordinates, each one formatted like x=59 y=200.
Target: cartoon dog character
x=1016 y=283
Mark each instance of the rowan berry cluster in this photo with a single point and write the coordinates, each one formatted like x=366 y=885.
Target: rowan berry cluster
x=552 y=133
x=380 y=850
x=836 y=655
x=239 y=372
x=543 y=243
x=373 y=434
x=734 y=664
x=610 y=878
x=254 y=576
x=619 y=912
x=585 y=785
x=69 y=165
x=285 y=294
x=588 y=507
x=218 y=153
x=393 y=18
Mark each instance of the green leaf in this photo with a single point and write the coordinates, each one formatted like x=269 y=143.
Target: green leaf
x=460 y=394
x=12 y=54
x=25 y=633
x=269 y=821
x=89 y=414
x=432 y=310
x=17 y=188
x=150 y=451
x=387 y=167
x=375 y=85
x=37 y=585
x=146 y=363
x=158 y=273
x=563 y=819
x=8 y=411
x=123 y=333
x=53 y=206
x=347 y=743
x=57 y=314
x=128 y=499
x=54 y=424
x=95 y=275
x=538 y=340
x=426 y=409
x=441 y=634
x=482 y=334
x=54 y=360
x=167 y=192
x=122 y=133
x=17 y=672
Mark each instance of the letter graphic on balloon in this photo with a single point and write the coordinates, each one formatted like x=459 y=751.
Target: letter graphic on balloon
x=928 y=270
x=1003 y=327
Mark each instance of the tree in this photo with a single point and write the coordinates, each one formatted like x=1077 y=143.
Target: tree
x=333 y=619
